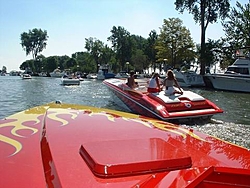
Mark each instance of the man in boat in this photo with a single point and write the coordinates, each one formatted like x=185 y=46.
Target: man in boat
x=131 y=80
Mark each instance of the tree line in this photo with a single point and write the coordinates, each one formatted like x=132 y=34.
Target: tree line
x=172 y=46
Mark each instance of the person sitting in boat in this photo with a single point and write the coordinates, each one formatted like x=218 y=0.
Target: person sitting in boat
x=169 y=83
x=131 y=80
x=154 y=84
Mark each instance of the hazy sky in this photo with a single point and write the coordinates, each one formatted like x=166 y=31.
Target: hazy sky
x=69 y=22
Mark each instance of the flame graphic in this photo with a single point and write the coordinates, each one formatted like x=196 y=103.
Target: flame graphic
x=149 y=123
x=175 y=129
x=33 y=116
x=17 y=145
x=110 y=117
x=17 y=124
x=54 y=115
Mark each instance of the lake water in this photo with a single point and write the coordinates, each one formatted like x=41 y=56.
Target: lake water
x=17 y=95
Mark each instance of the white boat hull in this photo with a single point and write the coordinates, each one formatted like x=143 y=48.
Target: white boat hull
x=92 y=76
x=68 y=81
x=230 y=83
x=26 y=76
x=57 y=73
x=189 y=79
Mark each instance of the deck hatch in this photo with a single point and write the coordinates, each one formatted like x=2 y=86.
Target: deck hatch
x=116 y=158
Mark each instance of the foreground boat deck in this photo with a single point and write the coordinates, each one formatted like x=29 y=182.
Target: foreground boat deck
x=65 y=145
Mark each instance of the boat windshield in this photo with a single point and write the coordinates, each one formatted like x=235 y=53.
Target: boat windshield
x=237 y=70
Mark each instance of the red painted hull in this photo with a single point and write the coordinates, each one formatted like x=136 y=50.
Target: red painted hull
x=62 y=145
x=160 y=106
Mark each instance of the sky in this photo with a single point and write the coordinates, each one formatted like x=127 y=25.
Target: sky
x=69 y=22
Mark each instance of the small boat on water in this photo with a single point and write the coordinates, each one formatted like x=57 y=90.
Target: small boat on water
x=122 y=74
x=66 y=145
x=57 y=73
x=104 y=72
x=70 y=80
x=91 y=76
x=236 y=78
x=26 y=76
x=158 y=105
x=188 y=77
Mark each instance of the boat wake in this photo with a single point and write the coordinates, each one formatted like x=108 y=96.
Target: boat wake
x=231 y=132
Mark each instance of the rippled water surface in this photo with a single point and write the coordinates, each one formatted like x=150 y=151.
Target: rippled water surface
x=17 y=95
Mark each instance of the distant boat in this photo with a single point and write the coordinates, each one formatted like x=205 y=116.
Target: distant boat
x=67 y=80
x=122 y=74
x=92 y=76
x=42 y=74
x=104 y=73
x=187 y=77
x=26 y=76
x=57 y=73
x=236 y=78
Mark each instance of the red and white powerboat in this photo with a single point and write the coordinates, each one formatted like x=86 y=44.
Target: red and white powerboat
x=158 y=105
x=63 y=145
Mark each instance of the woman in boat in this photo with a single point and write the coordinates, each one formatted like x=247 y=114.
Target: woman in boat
x=154 y=84
x=169 y=83
x=131 y=80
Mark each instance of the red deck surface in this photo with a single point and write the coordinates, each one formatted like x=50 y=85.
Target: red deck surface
x=141 y=156
x=42 y=147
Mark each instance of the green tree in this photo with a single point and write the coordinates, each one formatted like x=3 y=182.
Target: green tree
x=213 y=52
x=121 y=45
x=107 y=57
x=237 y=28
x=94 y=47
x=85 y=62
x=28 y=65
x=39 y=63
x=62 y=61
x=204 y=12
x=139 y=60
x=34 y=41
x=51 y=63
x=174 y=43
x=150 y=49
x=70 y=63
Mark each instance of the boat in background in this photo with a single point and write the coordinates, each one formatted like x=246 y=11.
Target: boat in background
x=42 y=74
x=70 y=80
x=236 y=77
x=104 y=72
x=187 y=76
x=66 y=145
x=91 y=76
x=26 y=76
x=122 y=74
x=187 y=106
x=57 y=73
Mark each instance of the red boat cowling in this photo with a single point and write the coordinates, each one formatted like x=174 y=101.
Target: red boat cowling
x=65 y=145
